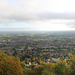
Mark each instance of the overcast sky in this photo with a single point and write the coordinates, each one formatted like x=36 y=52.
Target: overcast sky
x=39 y=15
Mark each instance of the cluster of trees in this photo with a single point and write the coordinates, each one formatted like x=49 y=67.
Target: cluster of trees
x=10 y=65
x=62 y=67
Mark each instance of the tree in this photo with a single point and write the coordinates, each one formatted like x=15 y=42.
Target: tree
x=72 y=64
x=9 y=65
x=61 y=68
x=38 y=69
x=46 y=72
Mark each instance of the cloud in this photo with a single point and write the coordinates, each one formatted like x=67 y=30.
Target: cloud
x=71 y=24
x=40 y=14
x=54 y=15
x=34 y=10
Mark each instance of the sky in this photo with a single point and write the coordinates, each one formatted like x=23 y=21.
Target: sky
x=37 y=15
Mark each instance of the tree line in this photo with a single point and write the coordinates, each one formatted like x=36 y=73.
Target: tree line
x=10 y=65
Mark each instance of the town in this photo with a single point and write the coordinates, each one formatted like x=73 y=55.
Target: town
x=44 y=45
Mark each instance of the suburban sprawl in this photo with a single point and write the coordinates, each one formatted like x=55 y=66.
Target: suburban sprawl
x=36 y=48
